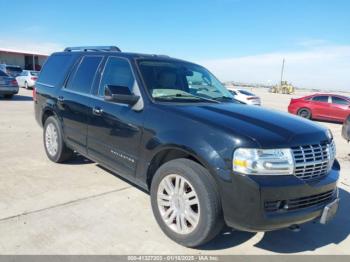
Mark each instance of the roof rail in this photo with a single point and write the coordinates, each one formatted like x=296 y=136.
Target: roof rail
x=92 y=48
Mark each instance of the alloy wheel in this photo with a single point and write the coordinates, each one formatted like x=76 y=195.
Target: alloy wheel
x=178 y=204
x=51 y=139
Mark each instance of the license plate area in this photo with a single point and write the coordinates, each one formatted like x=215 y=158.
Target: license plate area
x=329 y=211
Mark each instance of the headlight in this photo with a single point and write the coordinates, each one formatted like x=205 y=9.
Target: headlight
x=329 y=134
x=263 y=161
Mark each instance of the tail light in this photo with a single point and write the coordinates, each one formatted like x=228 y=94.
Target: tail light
x=34 y=78
x=252 y=98
x=14 y=82
x=34 y=94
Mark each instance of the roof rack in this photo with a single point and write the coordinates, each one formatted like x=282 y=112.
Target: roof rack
x=92 y=48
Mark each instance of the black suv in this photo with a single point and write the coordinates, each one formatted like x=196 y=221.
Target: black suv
x=170 y=127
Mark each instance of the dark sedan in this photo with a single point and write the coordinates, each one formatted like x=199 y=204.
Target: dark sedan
x=8 y=85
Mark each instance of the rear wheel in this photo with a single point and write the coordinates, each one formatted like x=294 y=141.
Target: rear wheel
x=55 y=148
x=186 y=202
x=305 y=113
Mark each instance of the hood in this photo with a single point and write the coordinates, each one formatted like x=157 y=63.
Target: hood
x=268 y=128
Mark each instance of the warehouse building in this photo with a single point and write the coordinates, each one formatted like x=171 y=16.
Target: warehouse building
x=26 y=60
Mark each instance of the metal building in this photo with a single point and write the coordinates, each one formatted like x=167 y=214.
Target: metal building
x=24 y=59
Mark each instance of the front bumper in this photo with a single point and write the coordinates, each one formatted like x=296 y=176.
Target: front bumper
x=246 y=200
x=8 y=90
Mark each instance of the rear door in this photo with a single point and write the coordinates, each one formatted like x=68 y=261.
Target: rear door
x=320 y=106
x=340 y=108
x=74 y=101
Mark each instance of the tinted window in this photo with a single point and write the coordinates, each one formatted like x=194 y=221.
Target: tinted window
x=2 y=73
x=339 y=101
x=13 y=70
x=320 y=99
x=244 y=92
x=82 y=79
x=55 y=69
x=34 y=73
x=117 y=72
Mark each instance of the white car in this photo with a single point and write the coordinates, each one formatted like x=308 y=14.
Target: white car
x=245 y=96
x=27 y=79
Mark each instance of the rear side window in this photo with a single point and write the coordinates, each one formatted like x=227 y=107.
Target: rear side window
x=55 y=69
x=117 y=72
x=339 y=101
x=320 y=99
x=2 y=73
x=83 y=78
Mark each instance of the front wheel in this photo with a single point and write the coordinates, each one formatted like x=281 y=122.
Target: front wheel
x=55 y=148
x=186 y=202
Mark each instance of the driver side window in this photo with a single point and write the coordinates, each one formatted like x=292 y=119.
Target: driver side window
x=117 y=72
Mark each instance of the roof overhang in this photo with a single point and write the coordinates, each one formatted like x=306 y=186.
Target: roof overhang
x=22 y=52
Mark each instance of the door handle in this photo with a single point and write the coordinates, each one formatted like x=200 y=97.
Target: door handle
x=97 y=111
x=60 y=99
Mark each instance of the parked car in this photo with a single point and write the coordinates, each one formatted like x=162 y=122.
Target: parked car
x=11 y=70
x=8 y=85
x=346 y=129
x=205 y=159
x=245 y=96
x=27 y=79
x=321 y=106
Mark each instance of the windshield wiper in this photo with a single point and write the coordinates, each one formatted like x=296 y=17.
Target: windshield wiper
x=188 y=96
x=224 y=98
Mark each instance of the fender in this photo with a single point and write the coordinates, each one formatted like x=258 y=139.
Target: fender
x=218 y=164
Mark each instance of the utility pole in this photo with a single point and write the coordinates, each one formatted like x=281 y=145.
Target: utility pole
x=282 y=71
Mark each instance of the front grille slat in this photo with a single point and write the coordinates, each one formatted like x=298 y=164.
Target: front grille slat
x=313 y=161
x=299 y=203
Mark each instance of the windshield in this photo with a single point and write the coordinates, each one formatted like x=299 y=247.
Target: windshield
x=181 y=81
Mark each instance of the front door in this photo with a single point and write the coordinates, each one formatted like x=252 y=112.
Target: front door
x=340 y=108
x=115 y=130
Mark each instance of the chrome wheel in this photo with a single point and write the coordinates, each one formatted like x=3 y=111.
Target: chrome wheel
x=178 y=204
x=51 y=139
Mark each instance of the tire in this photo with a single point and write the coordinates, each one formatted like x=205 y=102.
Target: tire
x=305 y=113
x=55 y=148
x=8 y=96
x=202 y=221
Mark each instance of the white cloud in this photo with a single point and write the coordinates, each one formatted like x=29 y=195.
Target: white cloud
x=30 y=46
x=324 y=67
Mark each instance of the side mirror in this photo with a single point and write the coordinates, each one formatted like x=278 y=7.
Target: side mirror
x=120 y=94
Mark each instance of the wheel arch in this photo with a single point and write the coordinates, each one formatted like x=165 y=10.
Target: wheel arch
x=169 y=153
x=47 y=112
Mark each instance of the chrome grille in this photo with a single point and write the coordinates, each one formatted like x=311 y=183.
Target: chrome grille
x=313 y=161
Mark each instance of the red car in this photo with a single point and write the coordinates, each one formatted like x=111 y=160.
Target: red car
x=321 y=106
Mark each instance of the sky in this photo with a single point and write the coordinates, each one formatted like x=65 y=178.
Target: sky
x=238 y=40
